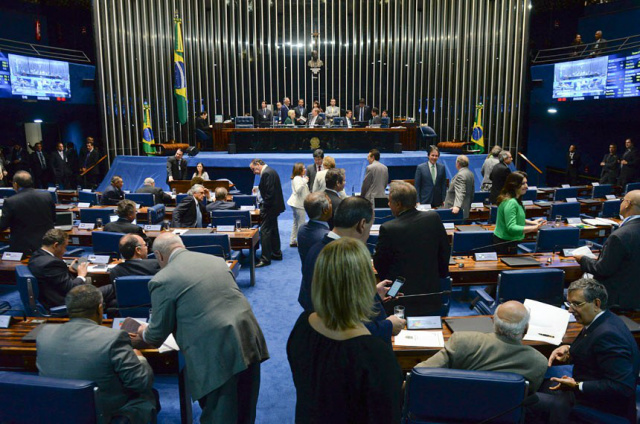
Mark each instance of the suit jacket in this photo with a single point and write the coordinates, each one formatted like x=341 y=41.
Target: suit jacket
x=318 y=122
x=74 y=161
x=335 y=202
x=320 y=182
x=271 y=192
x=135 y=267
x=414 y=246
x=367 y=113
x=499 y=175
x=284 y=113
x=629 y=172
x=332 y=111
x=123 y=225
x=376 y=120
x=196 y=298
x=221 y=205
x=61 y=167
x=610 y=170
x=301 y=112
x=474 y=351
x=264 y=118
x=375 y=181
x=111 y=196
x=29 y=214
x=618 y=267
x=202 y=124
x=310 y=233
x=348 y=121
x=36 y=167
x=605 y=358
x=172 y=169
x=185 y=215
x=428 y=192
x=82 y=349
x=577 y=161
x=159 y=196
x=379 y=326
x=89 y=160
x=461 y=190
x=311 y=173
x=54 y=280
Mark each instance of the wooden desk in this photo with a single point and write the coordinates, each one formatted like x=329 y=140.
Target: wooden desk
x=585 y=233
x=183 y=186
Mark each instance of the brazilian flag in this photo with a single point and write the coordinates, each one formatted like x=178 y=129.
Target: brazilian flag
x=147 y=132
x=180 y=84
x=477 y=136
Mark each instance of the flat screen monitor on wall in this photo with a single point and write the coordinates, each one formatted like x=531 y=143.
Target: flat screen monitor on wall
x=605 y=77
x=36 y=78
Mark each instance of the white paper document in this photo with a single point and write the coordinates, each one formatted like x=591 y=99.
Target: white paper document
x=180 y=232
x=419 y=338
x=584 y=251
x=375 y=227
x=600 y=221
x=547 y=323
x=169 y=345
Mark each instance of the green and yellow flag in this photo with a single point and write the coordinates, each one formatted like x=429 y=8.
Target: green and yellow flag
x=180 y=84
x=147 y=132
x=477 y=136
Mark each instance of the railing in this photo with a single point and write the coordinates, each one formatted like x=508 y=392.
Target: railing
x=49 y=52
x=585 y=51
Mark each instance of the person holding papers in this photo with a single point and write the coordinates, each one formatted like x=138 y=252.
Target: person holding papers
x=500 y=351
x=618 y=267
x=605 y=360
x=511 y=223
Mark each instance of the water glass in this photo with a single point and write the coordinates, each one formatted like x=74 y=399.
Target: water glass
x=558 y=221
x=238 y=224
x=398 y=311
x=98 y=222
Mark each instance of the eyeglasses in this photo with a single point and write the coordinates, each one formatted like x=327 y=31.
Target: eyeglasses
x=575 y=305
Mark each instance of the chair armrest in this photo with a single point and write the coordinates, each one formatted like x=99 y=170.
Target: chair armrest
x=58 y=311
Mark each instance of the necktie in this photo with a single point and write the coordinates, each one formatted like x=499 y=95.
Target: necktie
x=319 y=168
x=433 y=173
x=198 y=214
x=86 y=159
x=42 y=162
x=361 y=114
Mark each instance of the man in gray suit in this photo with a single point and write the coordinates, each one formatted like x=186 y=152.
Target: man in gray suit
x=315 y=167
x=375 y=178
x=461 y=188
x=196 y=298
x=431 y=180
x=500 y=351
x=85 y=350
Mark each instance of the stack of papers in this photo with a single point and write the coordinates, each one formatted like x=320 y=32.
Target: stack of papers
x=600 y=221
x=169 y=345
x=547 y=323
x=419 y=338
x=584 y=251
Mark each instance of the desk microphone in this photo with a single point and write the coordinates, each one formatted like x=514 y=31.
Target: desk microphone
x=443 y=292
x=470 y=252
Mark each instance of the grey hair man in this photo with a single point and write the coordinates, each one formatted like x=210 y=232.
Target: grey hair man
x=159 y=196
x=499 y=174
x=462 y=188
x=501 y=350
x=191 y=210
x=493 y=158
x=319 y=209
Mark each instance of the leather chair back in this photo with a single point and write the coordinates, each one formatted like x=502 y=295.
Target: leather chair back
x=143 y=199
x=89 y=216
x=601 y=191
x=563 y=193
x=543 y=285
x=132 y=293
x=106 y=243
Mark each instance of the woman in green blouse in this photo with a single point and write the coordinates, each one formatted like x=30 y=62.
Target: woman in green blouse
x=511 y=224
x=291 y=116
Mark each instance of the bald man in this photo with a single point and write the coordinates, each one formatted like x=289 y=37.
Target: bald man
x=617 y=267
x=501 y=350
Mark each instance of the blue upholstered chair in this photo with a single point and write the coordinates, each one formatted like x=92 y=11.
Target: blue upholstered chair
x=563 y=193
x=631 y=186
x=447 y=216
x=245 y=199
x=211 y=244
x=29 y=290
x=132 y=293
x=552 y=239
x=601 y=190
x=385 y=122
x=89 y=216
x=244 y=121
x=6 y=192
x=480 y=196
x=156 y=214
x=382 y=215
x=143 y=199
x=45 y=400
x=229 y=217
x=566 y=210
x=440 y=395
x=531 y=195
x=428 y=136
x=544 y=285
x=493 y=215
x=611 y=209
x=88 y=197
x=106 y=243
x=466 y=241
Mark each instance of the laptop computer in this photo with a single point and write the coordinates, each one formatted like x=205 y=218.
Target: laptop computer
x=64 y=221
x=479 y=324
x=516 y=261
x=65 y=207
x=199 y=231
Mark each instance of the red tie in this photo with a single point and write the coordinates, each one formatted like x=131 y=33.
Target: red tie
x=318 y=168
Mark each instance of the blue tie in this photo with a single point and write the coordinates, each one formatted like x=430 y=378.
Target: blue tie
x=198 y=214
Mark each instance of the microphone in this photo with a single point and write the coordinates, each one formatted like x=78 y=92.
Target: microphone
x=443 y=292
x=477 y=249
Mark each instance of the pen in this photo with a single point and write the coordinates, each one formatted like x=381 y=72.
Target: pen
x=546 y=335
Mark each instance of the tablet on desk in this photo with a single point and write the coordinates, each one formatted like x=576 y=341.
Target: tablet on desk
x=516 y=261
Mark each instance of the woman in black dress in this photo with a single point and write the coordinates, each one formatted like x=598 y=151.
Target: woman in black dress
x=343 y=374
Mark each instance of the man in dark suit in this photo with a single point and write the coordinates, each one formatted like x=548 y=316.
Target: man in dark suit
x=610 y=166
x=348 y=119
x=159 y=196
x=319 y=210
x=362 y=111
x=29 y=214
x=127 y=212
x=60 y=165
x=271 y=207
x=191 y=211
x=176 y=167
x=203 y=127
x=134 y=251
x=264 y=116
x=18 y=159
x=315 y=167
x=315 y=120
x=415 y=246
x=375 y=119
x=335 y=180
x=499 y=175
x=39 y=167
x=617 y=266
x=431 y=180
x=605 y=359
x=74 y=163
x=629 y=165
x=53 y=274
x=353 y=219
x=113 y=193
x=221 y=203
x=89 y=165
x=84 y=349
x=284 y=110
x=301 y=112
x=574 y=164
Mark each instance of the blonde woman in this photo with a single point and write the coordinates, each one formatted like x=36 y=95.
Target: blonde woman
x=299 y=191
x=331 y=353
x=291 y=118
x=319 y=183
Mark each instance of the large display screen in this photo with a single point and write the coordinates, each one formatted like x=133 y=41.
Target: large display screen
x=39 y=78
x=613 y=76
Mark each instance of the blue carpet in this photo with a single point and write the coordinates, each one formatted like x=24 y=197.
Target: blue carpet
x=274 y=302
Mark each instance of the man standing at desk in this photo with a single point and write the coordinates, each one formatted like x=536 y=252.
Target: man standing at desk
x=610 y=166
x=271 y=207
x=284 y=110
x=195 y=298
x=574 y=165
x=264 y=115
x=176 y=167
x=315 y=167
x=61 y=167
x=90 y=166
x=618 y=265
x=629 y=165
x=39 y=166
x=375 y=178
x=461 y=188
x=159 y=196
x=29 y=214
x=332 y=111
x=191 y=211
x=363 y=112
x=431 y=180
x=301 y=112
x=499 y=175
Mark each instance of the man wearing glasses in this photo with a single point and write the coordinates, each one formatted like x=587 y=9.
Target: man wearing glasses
x=618 y=266
x=605 y=360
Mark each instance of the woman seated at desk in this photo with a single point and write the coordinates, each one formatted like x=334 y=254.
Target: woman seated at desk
x=291 y=118
x=511 y=223
x=200 y=172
